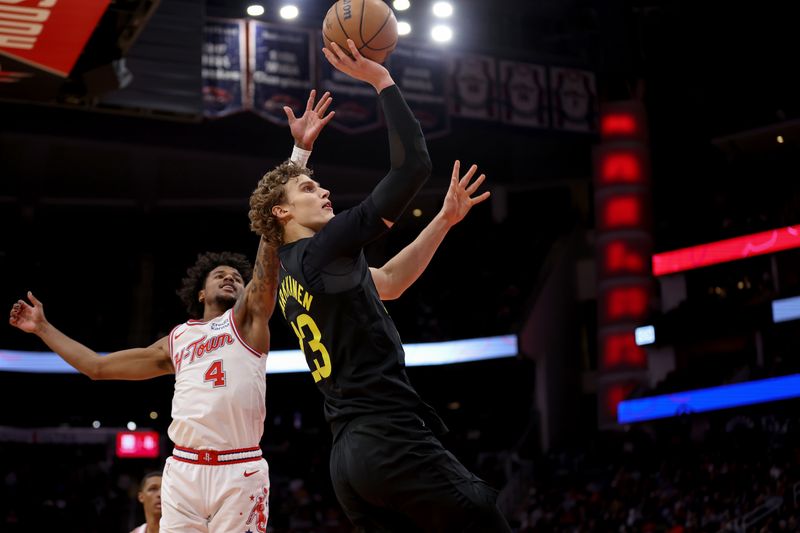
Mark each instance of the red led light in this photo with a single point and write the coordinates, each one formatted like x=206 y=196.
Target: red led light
x=713 y=253
x=620 y=167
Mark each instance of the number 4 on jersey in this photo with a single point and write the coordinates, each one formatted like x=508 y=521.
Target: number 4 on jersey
x=216 y=374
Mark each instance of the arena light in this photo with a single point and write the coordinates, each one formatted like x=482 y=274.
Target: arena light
x=618 y=124
x=710 y=399
x=285 y=361
x=289 y=12
x=255 y=10
x=401 y=5
x=443 y=9
x=786 y=309
x=645 y=335
x=403 y=28
x=441 y=33
x=765 y=242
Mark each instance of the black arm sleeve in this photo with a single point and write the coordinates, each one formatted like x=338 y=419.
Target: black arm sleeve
x=411 y=164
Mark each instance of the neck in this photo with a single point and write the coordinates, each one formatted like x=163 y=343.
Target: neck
x=295 y=232
x=153 y=524
x=212 y=311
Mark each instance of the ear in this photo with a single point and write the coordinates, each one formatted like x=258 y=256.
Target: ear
x=140 y=497
x=201 y=296
x=280 y=212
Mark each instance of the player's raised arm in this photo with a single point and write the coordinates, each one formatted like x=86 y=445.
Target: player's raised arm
x=133 y=364
x=393 y=278
x=254 y=309
x=410 y=162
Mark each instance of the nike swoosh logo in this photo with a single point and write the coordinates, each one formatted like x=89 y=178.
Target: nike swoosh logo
x=181 y=333
x=248 y=474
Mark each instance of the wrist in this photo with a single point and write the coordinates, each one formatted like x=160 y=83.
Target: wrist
x=442 y=219
x=300 y=155
x=303 y=146
x=42 y=329
x=383 y=83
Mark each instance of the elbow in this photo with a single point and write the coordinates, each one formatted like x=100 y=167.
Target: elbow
x=95 y=371
x=391 y=296
x=423 y=166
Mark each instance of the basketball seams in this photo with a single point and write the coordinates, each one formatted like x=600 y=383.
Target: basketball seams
x=377 y=32
x=336 y=10
x=361 y=24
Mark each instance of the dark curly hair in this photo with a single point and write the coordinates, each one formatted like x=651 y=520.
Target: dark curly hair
x=196 y=276
x=270 y=192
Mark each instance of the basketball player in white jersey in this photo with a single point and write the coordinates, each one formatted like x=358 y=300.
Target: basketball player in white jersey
x=216 y=480
x=150 y=497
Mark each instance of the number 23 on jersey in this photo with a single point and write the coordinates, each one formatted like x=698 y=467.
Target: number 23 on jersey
x=314 y=343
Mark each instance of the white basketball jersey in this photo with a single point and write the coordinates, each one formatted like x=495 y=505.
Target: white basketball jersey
x=220 y=386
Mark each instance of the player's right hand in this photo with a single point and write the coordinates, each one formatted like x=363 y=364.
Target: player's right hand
x=28 y=318
x=358 y=66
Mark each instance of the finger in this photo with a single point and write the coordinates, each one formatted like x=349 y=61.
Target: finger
x=456 y=169
x=338 y=51
x=468 y=176
x=311 y=97
x=328 y=118
x=353 y=50
x=481 y=198
x=289 y=113
x=474 y=185
x=33 y=299
x=326 y=102
x=318 y=109
x=330 y=56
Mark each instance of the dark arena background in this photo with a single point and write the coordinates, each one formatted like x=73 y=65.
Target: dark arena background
x=628 y=299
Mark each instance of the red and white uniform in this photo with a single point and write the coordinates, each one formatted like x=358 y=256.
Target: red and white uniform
x=140 y=529
x=216 y=479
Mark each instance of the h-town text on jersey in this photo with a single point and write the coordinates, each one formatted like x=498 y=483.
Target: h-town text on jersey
x=202 y=346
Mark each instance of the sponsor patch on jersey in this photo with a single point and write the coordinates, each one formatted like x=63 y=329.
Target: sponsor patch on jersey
x=220 y=325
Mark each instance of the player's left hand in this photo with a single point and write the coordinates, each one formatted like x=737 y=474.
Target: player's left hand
x=459 y=198
x=307 y=128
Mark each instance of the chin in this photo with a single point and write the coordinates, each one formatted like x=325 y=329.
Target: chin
x=226 y=301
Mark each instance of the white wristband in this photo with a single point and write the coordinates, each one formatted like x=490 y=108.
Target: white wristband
x=299 y=156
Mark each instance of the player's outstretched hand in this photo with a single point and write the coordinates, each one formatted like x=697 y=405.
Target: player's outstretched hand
x=357 y=66
x=307 y=128
x=459 y=198
x=28 y=318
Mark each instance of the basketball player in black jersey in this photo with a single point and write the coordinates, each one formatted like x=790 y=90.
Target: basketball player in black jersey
x=389 y=470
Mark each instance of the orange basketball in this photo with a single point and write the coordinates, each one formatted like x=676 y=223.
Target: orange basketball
x=369 y=23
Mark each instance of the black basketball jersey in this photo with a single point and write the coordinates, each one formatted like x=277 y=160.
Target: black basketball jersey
x=350 y=342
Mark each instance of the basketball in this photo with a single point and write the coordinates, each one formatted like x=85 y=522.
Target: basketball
x=369 y=23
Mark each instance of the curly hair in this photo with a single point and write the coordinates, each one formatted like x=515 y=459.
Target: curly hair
x=270 y=192
x=196 y=276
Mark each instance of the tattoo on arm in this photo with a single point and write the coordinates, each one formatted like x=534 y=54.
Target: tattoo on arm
x=265 y=272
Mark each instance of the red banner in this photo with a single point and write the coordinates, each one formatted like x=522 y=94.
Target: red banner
x=48 y=34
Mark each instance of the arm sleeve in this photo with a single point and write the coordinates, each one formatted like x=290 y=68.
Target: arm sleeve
x=410 y=163
x=342 y=239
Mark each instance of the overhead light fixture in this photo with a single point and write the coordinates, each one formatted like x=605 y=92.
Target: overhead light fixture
x=289 y=12
x=403 y=28
x=443 y=9
x=255 y=10
x=401 y=5
x=441 y=34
